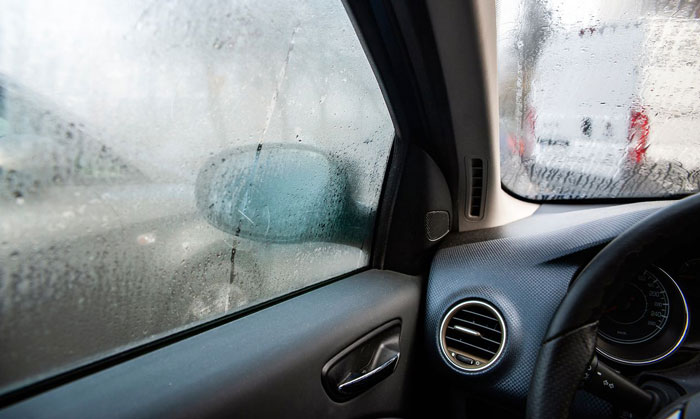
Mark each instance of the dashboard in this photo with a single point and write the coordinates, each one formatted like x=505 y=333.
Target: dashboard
x=524 y=270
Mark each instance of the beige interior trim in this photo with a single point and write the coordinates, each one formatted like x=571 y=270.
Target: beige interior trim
x=448 y=19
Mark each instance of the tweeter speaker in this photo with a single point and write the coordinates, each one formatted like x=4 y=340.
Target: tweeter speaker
x=437 y=225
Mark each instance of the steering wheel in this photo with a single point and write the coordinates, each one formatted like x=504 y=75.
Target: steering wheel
x=568 y=349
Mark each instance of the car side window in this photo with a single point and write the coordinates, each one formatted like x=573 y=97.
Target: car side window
x=163 y=164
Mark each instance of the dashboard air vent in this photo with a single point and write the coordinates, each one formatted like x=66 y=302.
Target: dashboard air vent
x=472 y=335
x=476 y=189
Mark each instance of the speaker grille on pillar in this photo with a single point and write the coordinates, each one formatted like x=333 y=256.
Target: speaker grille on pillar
x=437 y=224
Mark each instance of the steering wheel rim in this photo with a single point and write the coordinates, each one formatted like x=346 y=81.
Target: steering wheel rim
x=570 y=341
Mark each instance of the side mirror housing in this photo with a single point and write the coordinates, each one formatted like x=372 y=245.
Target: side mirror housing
x=280 y=193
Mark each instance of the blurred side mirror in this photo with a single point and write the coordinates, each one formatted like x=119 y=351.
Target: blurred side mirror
x=280 y=193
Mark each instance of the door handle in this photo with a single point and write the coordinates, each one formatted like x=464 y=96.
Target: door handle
x=364 y=363
x=363 y=381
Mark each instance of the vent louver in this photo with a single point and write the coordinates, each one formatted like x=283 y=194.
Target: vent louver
x=476 y=189
x=472 y=335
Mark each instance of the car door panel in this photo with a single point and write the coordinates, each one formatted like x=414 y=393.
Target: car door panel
x=266 y=364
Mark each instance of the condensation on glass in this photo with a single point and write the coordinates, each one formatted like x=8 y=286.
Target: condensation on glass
x=599 y=99
x=163 y=163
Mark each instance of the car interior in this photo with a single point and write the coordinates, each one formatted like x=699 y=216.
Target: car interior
x=474 y=301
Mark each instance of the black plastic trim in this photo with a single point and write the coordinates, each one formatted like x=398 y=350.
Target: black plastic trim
x=593 y=201
x=387 y=202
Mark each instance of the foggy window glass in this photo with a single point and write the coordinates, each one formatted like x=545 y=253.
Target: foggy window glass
x=599 y=99
x=164 y=163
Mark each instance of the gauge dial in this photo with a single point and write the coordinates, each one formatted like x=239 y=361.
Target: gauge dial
x=639 y=313
x=647 y=321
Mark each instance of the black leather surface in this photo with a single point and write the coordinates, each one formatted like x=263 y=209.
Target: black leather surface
x=523 y=272
x=560 y=367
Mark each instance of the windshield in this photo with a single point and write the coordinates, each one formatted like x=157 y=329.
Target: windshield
x=599 y=99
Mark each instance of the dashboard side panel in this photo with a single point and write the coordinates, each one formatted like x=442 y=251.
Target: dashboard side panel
x=523 y=270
